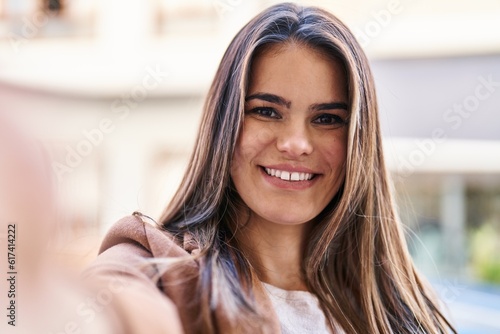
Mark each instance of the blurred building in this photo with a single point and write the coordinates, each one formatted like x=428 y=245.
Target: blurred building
x=117 y=88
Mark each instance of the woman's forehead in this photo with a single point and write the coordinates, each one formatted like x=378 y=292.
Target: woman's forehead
x=294 y=71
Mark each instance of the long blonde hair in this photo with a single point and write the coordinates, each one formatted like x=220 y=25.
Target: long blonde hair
x=357 y=261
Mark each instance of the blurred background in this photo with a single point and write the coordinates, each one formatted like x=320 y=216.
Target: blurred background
x=115 y=88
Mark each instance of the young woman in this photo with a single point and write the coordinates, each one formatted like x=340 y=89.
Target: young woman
x=284 y=220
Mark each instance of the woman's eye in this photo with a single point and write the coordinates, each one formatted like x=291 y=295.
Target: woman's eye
x=264 y=112
x=329 y=119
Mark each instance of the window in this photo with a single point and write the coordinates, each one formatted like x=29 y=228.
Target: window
x=55 y=6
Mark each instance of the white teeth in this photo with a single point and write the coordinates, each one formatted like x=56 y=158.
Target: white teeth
x=289 y=176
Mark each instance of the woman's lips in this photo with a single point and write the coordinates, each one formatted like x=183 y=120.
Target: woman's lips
x=287 y=177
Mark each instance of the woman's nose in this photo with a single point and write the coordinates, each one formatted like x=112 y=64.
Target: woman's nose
x=294 y=140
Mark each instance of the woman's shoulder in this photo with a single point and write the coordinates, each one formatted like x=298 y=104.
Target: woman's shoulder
x=139 y=234
x=133 y=243
x=126 y=271
x=138 y=250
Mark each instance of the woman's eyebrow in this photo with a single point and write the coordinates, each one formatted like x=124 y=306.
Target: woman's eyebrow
x=329 y=106
x=269 y=98
x=272 y=98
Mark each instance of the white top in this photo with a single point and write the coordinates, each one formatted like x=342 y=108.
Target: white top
x=299 y=312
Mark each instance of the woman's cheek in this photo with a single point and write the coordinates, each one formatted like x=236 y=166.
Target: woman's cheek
x=255 y=137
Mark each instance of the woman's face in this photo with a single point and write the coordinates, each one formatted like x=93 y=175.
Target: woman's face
x=289 y=159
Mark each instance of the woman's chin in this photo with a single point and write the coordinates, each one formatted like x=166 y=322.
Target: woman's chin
x=289 y=218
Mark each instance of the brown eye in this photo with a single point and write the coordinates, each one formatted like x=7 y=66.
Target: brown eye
x=265 y=112
x=330 y=119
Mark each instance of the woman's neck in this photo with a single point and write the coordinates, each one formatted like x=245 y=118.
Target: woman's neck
x=275 y=251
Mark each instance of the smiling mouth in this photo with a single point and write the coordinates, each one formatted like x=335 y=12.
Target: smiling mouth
x=289 y=176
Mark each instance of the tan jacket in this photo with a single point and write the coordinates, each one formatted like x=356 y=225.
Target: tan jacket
x=137 y=299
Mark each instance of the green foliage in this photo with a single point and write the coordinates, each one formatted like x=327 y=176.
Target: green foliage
x=485 y=252
x=491 y=272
